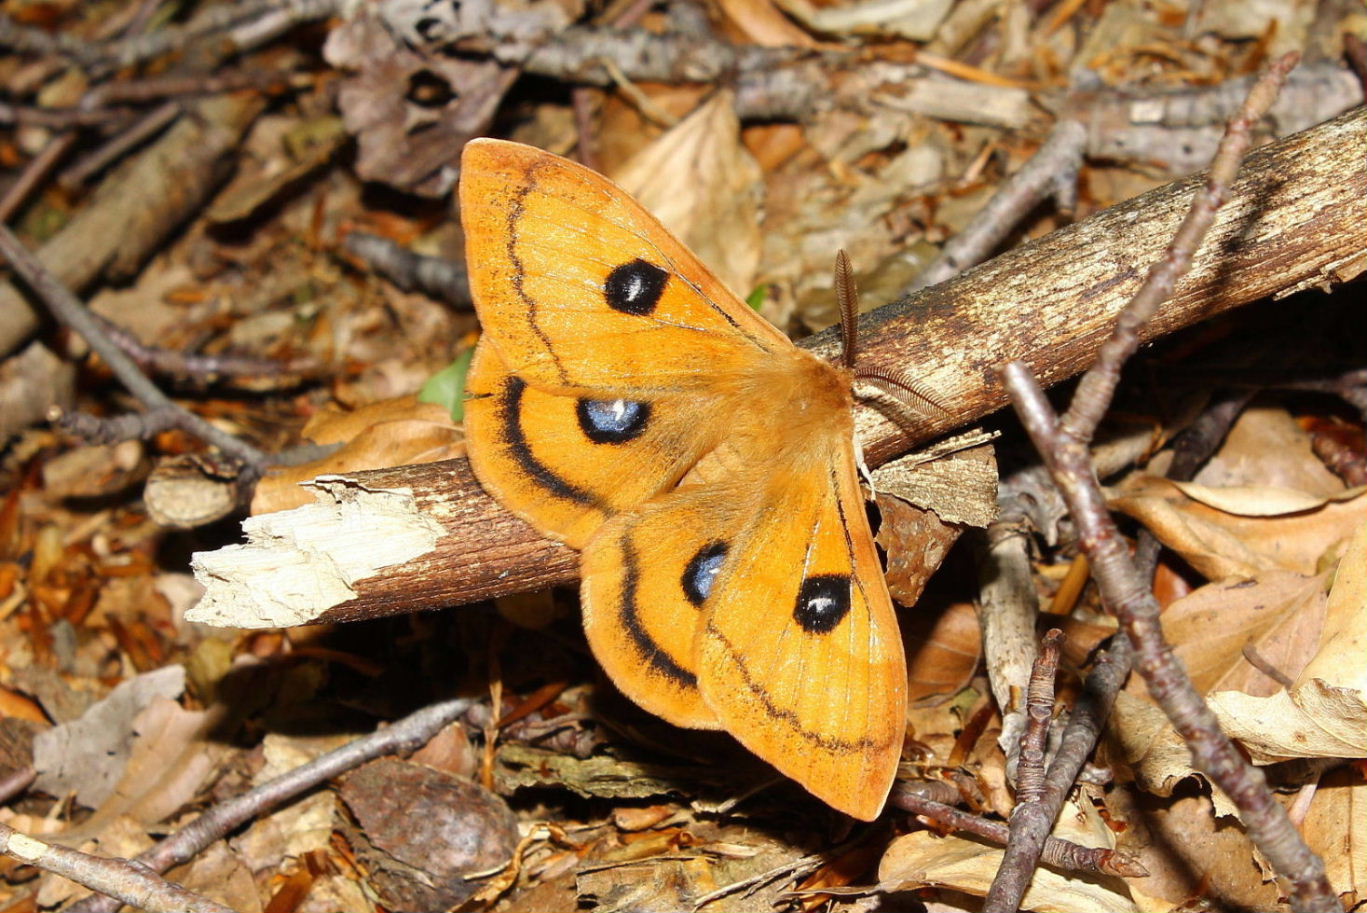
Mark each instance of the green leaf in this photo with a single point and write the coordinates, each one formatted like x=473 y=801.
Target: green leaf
x=756 y=298
x=447 y=386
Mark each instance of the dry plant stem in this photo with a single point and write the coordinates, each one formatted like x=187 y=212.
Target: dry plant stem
x=169 y=361
x=38 y=168
x=436 y=277
x=1058 y=853
x=403 y=736
x=1093 y=395
x=60 y=118
x=1350 y=386
x=247 y=24
x=126 y=882
x=133 y=426
x=95 y=429
x=72 y=313
x=798 y=868
x=1008 y=607
x=1063 y=443
x=1039 y=712
x=1056 y=162
x=1111 y=667
x=1128 y=596
x=582 y=100
x=28 y=40
x=146 y=126
x=177 y=86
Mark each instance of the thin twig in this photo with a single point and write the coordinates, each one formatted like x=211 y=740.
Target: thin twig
x=181 y=364
x=1093 y=394
x=402 y=736
x=1055 y=164
x=38 y=168
x=144 y=128
x=61 y=118
x=29 y=40
x=251 y=23
x=1111 y=667
x=1039 y=712
x=436 y=277
x=125 y=882
x=1058 y=853
x=1063 y=443
x=72 y=313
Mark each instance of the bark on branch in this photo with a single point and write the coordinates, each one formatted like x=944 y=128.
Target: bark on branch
x=421 y=537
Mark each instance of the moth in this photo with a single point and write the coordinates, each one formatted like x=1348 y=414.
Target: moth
x=622 y=400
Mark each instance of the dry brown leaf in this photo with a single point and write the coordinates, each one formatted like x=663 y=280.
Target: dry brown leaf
x=960 y=864
x=1277 y=617
x=1325 y=713
x=95 y=470
x=916 y=541
x=14 y=705
x=410 y=111
x=705 y=186
x=1267 y=446
x=601 y=777
x=917 y=20
x=419 y=831
x=957 y=478
x=942 y=650
x=394 y=432
x=648 y=874
x=87 y=756
x=926 y=499
x=217 y=873
x=1238 y=532
x=1336 y=827
x=1189 y=852
x=309 y=146
x=171 y=758
x=331 y=893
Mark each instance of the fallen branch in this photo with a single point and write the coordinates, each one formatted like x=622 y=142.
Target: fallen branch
x=420 y=537
x=125 y=881
x=1057 y=162
x=1058 y=853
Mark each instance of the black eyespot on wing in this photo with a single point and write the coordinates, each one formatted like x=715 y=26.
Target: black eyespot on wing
x=635 y=287
x=701 y=572
x=822 y=603
x=612 y=421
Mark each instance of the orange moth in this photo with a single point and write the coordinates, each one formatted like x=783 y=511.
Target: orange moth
x=624 y=401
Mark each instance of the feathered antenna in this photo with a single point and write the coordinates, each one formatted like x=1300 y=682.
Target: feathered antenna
x=847 y=296
x=907 y=390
